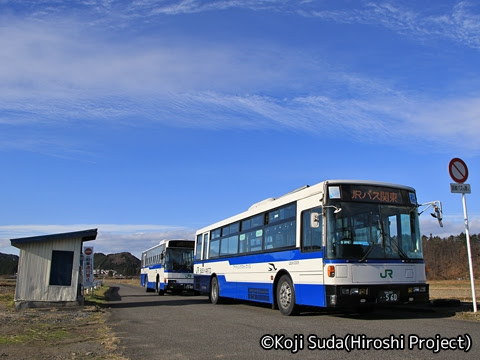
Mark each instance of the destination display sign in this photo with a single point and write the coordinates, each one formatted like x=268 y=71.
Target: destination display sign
x=181 y=244
x=372 y=194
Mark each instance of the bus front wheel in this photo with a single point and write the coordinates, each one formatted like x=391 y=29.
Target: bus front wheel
x=215 y=292
x=286 y=296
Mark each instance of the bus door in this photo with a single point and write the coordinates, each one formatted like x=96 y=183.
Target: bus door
x=201 y=274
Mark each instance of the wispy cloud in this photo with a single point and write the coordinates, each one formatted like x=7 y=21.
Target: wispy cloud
x=459 y=22
x=74 y=73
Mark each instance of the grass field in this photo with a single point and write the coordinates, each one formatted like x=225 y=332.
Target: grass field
x=453 y=289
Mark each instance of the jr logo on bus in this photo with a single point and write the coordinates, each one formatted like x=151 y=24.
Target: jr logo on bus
x=388 y=272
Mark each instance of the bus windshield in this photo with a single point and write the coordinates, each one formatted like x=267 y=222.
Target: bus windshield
x=362 y=232
x=179 y=259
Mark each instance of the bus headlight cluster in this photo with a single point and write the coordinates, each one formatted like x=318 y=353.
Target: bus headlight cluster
x=354 y=291
x=417 y=289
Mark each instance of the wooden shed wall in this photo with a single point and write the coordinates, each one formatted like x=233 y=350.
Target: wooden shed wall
x=34 y=271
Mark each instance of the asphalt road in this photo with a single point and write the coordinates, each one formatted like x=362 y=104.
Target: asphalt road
x=189 y=327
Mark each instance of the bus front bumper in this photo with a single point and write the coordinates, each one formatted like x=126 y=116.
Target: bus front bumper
x=173 y=285
x=348 y=296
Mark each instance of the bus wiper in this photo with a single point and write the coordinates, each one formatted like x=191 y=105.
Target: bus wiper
x=369 y=250
x=400 y=251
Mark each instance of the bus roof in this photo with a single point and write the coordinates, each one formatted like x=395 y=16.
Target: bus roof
x=297 y=194
x=164 y=241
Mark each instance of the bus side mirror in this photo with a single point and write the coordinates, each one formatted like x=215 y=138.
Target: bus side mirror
x=438 y=213
x=437 y=210
x=314 y=220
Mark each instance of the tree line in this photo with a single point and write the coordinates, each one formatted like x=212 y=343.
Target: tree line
x=447 y=259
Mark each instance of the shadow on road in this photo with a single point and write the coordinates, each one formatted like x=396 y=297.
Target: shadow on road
x=445 y=310
x=115 y=300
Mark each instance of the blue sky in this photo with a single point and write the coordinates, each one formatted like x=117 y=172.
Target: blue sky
x=150 y=119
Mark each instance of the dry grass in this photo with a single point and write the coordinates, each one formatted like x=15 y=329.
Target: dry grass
x=64 y=333
x=453 y=289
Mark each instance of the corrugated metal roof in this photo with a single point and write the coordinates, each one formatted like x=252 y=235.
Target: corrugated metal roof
x=85 y=235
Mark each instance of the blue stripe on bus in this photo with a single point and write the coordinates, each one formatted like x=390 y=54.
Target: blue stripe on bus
x=286 y=255
x=305 y=294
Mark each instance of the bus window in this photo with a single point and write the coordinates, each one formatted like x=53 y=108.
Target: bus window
x=214 y=248
x=229 y=245
x=205 y=246
x=280 y=235
x=254 y=240
x=198 y=250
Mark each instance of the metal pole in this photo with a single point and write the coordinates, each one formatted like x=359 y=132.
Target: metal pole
x=467 y=233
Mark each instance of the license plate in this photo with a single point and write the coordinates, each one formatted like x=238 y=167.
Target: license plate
x=389 y=296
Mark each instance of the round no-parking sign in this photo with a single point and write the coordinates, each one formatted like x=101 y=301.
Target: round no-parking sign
x=458 y=170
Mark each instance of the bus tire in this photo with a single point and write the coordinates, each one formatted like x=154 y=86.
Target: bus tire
x=286 y=296
x=214 y=294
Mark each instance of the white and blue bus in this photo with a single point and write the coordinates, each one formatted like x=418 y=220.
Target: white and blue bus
x=336 y=244
x=168 y=266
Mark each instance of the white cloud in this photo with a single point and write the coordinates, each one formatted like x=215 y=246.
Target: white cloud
x=72 y=73
x=459 y=23
x=111 y=238
x=135 y=238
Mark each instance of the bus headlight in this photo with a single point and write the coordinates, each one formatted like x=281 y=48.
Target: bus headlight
x=417 y=289
x=353 y=291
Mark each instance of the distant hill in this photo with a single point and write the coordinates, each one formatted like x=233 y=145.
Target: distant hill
x=122 y=263
x=8 y=264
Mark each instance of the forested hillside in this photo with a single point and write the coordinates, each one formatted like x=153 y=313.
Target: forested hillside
x=8 y=264
x=446 y=259
x=123 y=263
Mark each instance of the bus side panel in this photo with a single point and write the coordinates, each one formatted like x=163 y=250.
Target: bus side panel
x=151 y=285
x=227 y=289
x=143 y=278
x=261 y=292
x=201 y=283
x=310 y=294
x=252 y=291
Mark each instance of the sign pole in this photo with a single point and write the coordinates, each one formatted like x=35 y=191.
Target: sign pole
x=467 y=233
x=459 y=173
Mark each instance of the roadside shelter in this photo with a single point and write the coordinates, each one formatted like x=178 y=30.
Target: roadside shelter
x=49 y=269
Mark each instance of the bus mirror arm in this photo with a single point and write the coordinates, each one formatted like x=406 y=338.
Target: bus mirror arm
x=437 y=210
